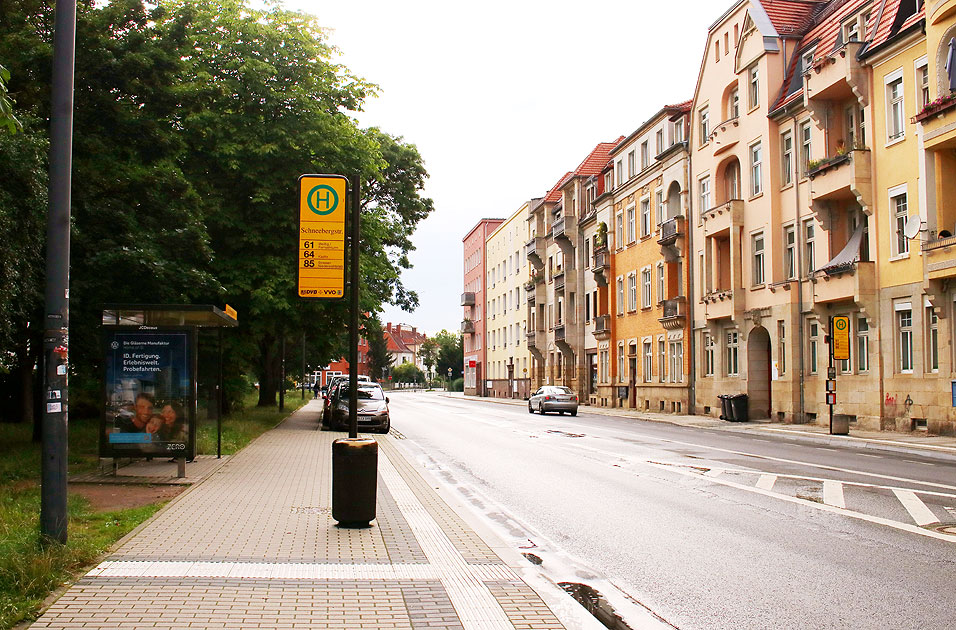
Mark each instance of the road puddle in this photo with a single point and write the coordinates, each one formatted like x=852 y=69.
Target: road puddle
x=595 y=604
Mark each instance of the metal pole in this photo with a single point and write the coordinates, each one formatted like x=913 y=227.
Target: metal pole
x=219 y=400
x=354 y=307
x=830 y=366
x=282 y=371
x=303 y=365
x=53 y=468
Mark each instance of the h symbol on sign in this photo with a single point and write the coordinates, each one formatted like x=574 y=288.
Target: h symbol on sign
x=323 y=197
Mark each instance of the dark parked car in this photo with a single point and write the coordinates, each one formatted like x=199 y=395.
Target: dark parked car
x=372 y=408
x=553 y=398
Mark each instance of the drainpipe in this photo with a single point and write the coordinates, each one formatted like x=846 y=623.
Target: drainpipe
x=690 y=257
x=801 y=244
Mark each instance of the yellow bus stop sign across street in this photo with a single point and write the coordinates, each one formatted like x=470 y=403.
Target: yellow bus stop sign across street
x=841 y=338
x=322 y=213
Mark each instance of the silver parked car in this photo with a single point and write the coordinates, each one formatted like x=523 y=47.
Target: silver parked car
x=553 y=398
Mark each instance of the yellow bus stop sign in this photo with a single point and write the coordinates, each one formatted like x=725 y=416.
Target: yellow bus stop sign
x=322 y=213
x=841 y=338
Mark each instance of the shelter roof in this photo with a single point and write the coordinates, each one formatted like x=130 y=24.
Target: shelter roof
x=201 y=315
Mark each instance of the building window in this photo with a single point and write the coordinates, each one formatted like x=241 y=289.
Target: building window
x=757 y=245
x=756 y=168
x=619 y=171
x=894 y=109
x=734 y=109
x=898 y=207
x=790 y=252
x=809 y=232
x=704 y=125
x=659 y=138
x=604 y=362
x=648 y=362
x=732 y=338
x=932 y=339
x=678 y=131
x=904 y=336
x=659 y=202
x=645 y=217
x=709 y=354
x=608 y=183
x=621 y=375
x=660 y=282
x=631 y=167
x=620 y=230
x=781 y=348
x=805 y=149
x=786 y=162
x=862 y=344
x=754 y=87
x=704 y=186
x=677 y=361
x=620 y=295
x=631 y=292
x=661 y=361
x=645 y=155
x=630 y=225
x=922 y=85
x=646 y=287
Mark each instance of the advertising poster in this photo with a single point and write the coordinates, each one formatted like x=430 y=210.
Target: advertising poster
x=149 y=393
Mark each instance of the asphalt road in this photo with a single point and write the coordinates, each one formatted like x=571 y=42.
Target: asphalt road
x=708 y=529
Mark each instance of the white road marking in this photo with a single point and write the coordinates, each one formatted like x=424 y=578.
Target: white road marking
x=871 y=455
x=766 y=482
x=852 y=439
x=713 y=472
x=917 y=509
x=833 y=493
x=906 y=527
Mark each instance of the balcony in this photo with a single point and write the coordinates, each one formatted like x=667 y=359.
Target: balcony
x=559 y=332
x=558 y=278
x=723 y=217
x=725 y=135
x=602 y=260
x=467 y=327
x=531 y=337
x=938 y=119
x=675 y=314
x=856 y=282
x=468 y=298
x=719 y=304
x=602 y=327
x=939 y=258
x=670 y=231
x=563 y=228
x=837 y=77
x=534 y=250
x=843 y=177
x=564 y=279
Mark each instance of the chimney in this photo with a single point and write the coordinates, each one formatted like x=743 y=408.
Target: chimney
x=388 y=327
x=414 y=330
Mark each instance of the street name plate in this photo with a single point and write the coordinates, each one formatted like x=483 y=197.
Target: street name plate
x=841 y=338
x=322 y=213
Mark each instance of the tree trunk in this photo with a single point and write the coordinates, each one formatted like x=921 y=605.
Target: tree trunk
x=268 y=372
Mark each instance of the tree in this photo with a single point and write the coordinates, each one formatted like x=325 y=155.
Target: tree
x=428 y=351
x=407 y=373
x=450 y=353
x=7 y=119
x=379 y=358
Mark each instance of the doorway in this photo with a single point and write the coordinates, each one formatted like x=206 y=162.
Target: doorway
x=758 y=373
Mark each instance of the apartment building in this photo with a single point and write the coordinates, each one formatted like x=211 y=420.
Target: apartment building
x=649 y=366
x=935 y=129
x=473 y=325
x=508 y=358
x=556 y=250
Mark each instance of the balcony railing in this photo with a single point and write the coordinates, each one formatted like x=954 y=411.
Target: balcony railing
x=559 y=332
x=559 y=280
x=468 y=298
x=534 y=251
x=674 y=314
x=670 y=230
x=602 y=326
x=602 y=260
x=468 y=327
x=844 y=176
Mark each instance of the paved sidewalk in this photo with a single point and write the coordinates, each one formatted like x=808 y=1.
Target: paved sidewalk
x=254 y=546
x=941 y=447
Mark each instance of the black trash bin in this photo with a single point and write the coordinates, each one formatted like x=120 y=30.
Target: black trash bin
x=726 y=410
x=738 y=403
x=354 y=481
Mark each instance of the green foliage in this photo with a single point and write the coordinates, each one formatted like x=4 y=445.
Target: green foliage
x=7 y=120
x=246 y=424
x=407 y=373
x=428 y=351
x=379 y=358
x=450 y=353
x=457 y=385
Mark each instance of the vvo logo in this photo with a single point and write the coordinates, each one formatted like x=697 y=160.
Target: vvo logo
x=323 y=200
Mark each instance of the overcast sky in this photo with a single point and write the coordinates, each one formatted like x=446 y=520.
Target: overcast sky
x=502 y=98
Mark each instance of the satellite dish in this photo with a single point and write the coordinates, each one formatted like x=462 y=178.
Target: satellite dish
x=913 y=227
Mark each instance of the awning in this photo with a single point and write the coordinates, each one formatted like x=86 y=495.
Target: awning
x=848 y=256
x=201 y=315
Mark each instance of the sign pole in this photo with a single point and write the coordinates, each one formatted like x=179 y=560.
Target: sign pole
x=830 y=369
x=53 y=467
x=354 y=309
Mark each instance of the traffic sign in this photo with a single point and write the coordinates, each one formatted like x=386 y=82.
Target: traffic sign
x=322 y=213
x=841 y=338
x=831 y=398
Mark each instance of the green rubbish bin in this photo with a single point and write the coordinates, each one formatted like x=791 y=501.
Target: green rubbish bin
x=738 y=403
